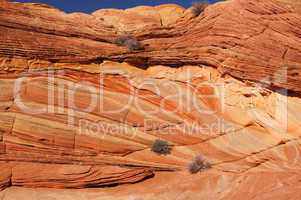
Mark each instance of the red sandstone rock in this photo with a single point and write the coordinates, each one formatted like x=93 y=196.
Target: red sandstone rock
x=73 y=176
x=5 y=175
x=77 y=111
x=253 y=39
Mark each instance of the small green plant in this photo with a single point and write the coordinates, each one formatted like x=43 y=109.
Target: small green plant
x=161 y=147
x=199 y=164
x=129 y=41
x=198 y=8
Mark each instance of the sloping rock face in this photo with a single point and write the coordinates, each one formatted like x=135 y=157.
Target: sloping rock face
x=254 y=40
x=78 y=111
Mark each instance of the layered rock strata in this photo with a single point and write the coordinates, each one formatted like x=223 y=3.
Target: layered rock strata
x=78 y=111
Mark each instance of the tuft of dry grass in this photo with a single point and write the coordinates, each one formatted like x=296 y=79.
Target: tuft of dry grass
x=198 y=8
x=161 y=147
x=128 y=41
x=199 y=164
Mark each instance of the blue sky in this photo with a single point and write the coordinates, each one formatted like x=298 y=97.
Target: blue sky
x=89 y=6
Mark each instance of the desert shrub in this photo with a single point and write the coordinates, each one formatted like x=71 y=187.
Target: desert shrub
x=129 y=41
x=198 y=164
x=198 y=8
x=161 y=147
x=121 y=40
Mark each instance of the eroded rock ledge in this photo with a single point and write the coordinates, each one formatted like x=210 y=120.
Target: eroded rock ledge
x=75 y=112
x=249 y=39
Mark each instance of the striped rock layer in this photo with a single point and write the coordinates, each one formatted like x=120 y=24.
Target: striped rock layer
x=78 y=111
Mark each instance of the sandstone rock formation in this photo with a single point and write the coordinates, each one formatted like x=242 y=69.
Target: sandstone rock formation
x=78 y=111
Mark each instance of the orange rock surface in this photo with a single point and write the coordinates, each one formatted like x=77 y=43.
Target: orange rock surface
x=79 y=112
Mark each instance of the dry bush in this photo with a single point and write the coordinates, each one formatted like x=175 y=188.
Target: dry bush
x=198 y=164
x=198 y=8
x=121 y=40
x=129 y=41
x=161 y=147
